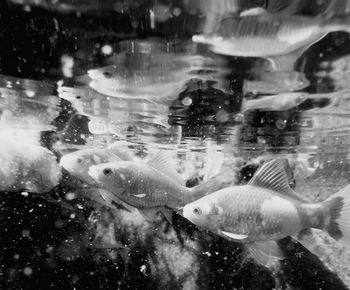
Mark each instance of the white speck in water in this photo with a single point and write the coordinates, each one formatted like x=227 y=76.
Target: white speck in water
x=107 y=49
x=28 y=271
x=187 y=101
x=70 y=196
x=16 y=256
x=143 y=269
x=207 y=253
x=30 y=94
x=177 y=12
x=25 y=233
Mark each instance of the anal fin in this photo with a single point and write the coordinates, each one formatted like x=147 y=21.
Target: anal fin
x=266 y=253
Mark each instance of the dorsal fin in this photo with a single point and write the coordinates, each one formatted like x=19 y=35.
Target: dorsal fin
x=272 y=175
x=162 y=162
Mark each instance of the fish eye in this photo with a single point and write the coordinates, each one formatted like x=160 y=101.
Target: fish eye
x=197 y=211
x=107 y=74
x=79 y=160
x=107 y=171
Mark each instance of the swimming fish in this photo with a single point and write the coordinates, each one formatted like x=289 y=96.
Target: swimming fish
x=276 y=82
x=281 y=102
x=150 y=185
x=27 y=167
x=266 y=210
x=281 y=39
x=79 y=162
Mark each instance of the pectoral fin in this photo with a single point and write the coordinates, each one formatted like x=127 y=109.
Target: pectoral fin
x=266 y=253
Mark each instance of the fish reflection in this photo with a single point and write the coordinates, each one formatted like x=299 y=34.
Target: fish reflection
x=336 y=71
x=276 y=82
x=285 y=101
x=27 y=104
x=279 y=37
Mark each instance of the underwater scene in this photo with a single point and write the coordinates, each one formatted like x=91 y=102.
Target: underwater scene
x=175 y=144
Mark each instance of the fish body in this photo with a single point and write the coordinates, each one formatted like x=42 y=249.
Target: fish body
x=150 y=184
x=79 y=162
x=281 y=102
x=280 y=39
x=276 y=82
x=266 y=210
x=144 y=185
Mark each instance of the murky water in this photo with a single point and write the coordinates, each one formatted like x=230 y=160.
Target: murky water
x=89 y=75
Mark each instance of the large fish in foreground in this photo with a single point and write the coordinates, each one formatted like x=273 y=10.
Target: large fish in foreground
x=266 y=210
x=279 y=38
x=153 y=185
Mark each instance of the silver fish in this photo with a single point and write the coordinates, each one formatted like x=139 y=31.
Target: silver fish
x=150 y=185
x=79 y=162
x=276 y=82
x=266 y=210
x=281 y=102
x=280 y=39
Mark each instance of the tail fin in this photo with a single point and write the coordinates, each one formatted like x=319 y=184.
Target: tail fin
x=338 y=207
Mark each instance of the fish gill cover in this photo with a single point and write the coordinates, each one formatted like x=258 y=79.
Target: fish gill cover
x=174 y=144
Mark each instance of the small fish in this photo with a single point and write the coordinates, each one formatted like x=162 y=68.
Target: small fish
x=153 y=184
x=281 y=39
x=276 y=82
x=79 y=162
x=281 y=102
x=266 y=210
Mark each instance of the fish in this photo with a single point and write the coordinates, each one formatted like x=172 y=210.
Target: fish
x=281 y=39
x=78 y=163
x=27 y=167
x=281 y=102
x=276 y=82
x=266 y=210
x=150 y=186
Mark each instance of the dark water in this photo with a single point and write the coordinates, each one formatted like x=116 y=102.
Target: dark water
x=175 y=95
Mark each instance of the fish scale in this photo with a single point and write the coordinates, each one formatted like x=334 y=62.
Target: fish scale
x=246 y=217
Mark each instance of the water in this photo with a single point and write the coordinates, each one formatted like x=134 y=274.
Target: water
x=85 y=74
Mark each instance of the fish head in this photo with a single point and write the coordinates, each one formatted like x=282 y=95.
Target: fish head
x=79 y=162
x=202 y=213
x=116 y=177
x=103 y=73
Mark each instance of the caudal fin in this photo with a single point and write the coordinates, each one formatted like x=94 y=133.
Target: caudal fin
x=338 y=207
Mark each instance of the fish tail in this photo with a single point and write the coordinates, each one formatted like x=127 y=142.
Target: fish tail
x=338 y=209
